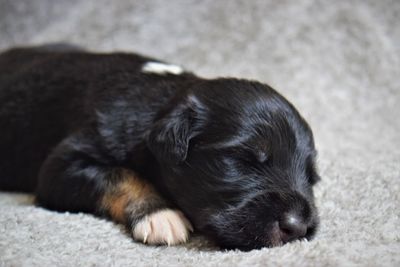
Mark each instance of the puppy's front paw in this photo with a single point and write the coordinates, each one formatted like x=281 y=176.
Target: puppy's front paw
x=163 y=227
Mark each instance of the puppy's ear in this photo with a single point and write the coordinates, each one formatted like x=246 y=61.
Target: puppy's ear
x=169 y=138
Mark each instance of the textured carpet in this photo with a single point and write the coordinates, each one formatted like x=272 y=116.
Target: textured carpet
x=337 y=61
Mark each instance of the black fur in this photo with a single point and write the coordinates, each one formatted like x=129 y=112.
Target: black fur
x=233 y=155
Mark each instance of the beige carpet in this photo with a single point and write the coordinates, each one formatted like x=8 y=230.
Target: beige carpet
x=337 y=61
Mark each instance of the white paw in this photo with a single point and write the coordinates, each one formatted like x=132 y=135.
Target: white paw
x=163 y=227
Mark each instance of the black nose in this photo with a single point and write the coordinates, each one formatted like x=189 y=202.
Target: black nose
x=292 y=227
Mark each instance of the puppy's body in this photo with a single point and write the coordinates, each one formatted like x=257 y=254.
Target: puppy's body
x=64 y=93
x=129 y=137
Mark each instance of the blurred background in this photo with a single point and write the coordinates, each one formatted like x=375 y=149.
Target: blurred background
x=337 y=61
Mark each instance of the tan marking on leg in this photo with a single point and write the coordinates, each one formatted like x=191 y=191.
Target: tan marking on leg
x=125 y=199
x=129 y=189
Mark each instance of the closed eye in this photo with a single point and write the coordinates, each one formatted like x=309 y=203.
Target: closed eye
x=246 y=154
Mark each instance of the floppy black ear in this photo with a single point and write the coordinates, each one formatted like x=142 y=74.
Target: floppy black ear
x=169 y=138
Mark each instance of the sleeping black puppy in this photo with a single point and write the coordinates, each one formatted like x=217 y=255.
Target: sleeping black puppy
x=156 y=148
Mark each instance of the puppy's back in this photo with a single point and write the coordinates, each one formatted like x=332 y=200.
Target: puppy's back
x=44 y=96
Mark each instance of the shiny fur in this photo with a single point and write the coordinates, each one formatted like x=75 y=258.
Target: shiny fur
x=233 y=155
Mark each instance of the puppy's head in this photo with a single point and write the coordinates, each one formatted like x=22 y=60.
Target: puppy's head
x=238 y=159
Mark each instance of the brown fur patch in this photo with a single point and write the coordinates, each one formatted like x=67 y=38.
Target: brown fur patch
x=130 y=189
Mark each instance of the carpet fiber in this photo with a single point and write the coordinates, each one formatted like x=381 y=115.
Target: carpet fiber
x=337 y=61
